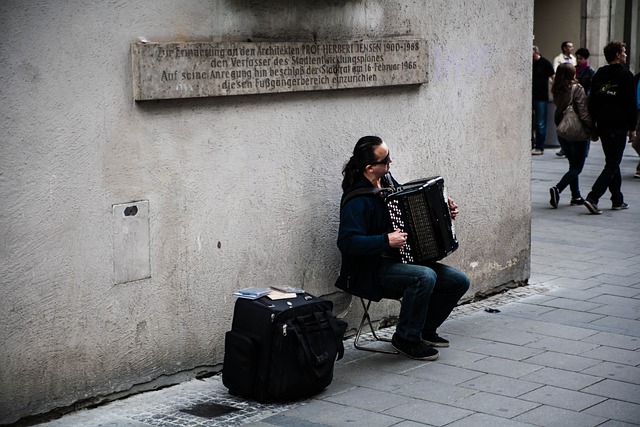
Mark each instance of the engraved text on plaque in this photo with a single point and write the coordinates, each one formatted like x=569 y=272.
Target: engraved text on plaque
x=188 y=70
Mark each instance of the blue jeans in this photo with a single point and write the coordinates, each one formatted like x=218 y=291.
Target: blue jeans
x=576 y=153
x=429 y=294
x=613 y=145
x=539 y=124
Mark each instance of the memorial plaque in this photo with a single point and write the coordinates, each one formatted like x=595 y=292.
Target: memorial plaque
x=191 y=70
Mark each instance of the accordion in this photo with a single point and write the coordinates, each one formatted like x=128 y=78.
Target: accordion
x=420 y=208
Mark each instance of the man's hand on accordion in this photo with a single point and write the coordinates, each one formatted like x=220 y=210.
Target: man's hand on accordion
x=453 y=208
x=397 y=239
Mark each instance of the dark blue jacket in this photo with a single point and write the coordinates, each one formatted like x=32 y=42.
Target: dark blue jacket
x=362 y=240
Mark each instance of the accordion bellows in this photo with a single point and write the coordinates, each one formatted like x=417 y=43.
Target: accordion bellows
x=420 y=208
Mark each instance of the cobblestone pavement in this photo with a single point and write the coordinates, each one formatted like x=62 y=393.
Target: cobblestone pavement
x=563 y=351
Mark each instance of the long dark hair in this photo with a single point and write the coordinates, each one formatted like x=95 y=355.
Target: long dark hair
x=565 y=78
x=363 y=155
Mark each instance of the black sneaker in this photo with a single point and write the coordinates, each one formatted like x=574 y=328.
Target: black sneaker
x=435 y=340
x=593 y=207
x=578 y=201
x=560 y=153
x=620 y=207
x=555 y=197
x=415 y=350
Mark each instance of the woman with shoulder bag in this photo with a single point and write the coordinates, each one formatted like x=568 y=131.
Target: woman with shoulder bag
x=568 y=94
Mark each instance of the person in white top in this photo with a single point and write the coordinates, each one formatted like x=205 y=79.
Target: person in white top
x=565 y=56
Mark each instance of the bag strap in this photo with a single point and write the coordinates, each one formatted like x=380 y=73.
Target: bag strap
x=303 y=337
x=570 y=105
x=361 y=192
x=369 y=190
x=338 y=334
x=573 y=93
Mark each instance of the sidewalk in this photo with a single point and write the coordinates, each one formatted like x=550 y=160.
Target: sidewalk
x=564 y=351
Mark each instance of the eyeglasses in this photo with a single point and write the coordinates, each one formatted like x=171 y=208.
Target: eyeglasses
x=384 y=161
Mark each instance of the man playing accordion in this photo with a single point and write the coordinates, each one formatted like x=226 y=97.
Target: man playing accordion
x=371 y=262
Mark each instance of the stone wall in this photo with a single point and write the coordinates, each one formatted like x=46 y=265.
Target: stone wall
x=230 y=191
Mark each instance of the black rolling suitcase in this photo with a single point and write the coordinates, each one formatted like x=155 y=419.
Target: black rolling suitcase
x=280 y=350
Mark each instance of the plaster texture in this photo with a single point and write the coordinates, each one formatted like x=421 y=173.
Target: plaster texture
x=240 y=190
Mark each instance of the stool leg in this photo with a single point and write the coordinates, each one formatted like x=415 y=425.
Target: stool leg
x=366 y=319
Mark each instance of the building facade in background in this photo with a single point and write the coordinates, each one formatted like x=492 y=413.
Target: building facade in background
x=126 y=226
x=588 y=23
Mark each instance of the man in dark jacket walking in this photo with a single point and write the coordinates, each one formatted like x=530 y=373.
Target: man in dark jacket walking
x=612 y=107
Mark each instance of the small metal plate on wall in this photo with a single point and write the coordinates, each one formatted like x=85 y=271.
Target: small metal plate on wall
x=131 y=241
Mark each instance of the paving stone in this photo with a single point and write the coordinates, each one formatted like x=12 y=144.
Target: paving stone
x=569 y=264
x=510 y=335
x=569 y=317
x=336 y=387
x=616 y=410
x=426 y=390
x=504 y=367
x=612 y=255
x=331 y=414
x=572 y=283
x=463 y=343
x=576 y=294
x=562 y=398
x=522 y=308
x=428 y=413
x=561 y=378
x=618 y=288
x=537 y=299
x=273 y=421
x=581 y=274
x=571 y=304
x=549 y=416
x=461 y=327
x=379 y=380
x=567 y=362
x=393 y=363
x=493 y=404
x=483 y=322
x=619 y=325
x=615 y=300
x=551 y=329
x=445 y=374
x=617 y=311
x=619 y=390
x=371 y=400
x=614 y=423
x=507 y=351
x=615 y=274
x=563 y=345
x=409 y=424
x=450 y=356
x=503 y=386
x=538 y=277
x=612 y=354
x=485 y=420
x=615 y=371
x=352 y=356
